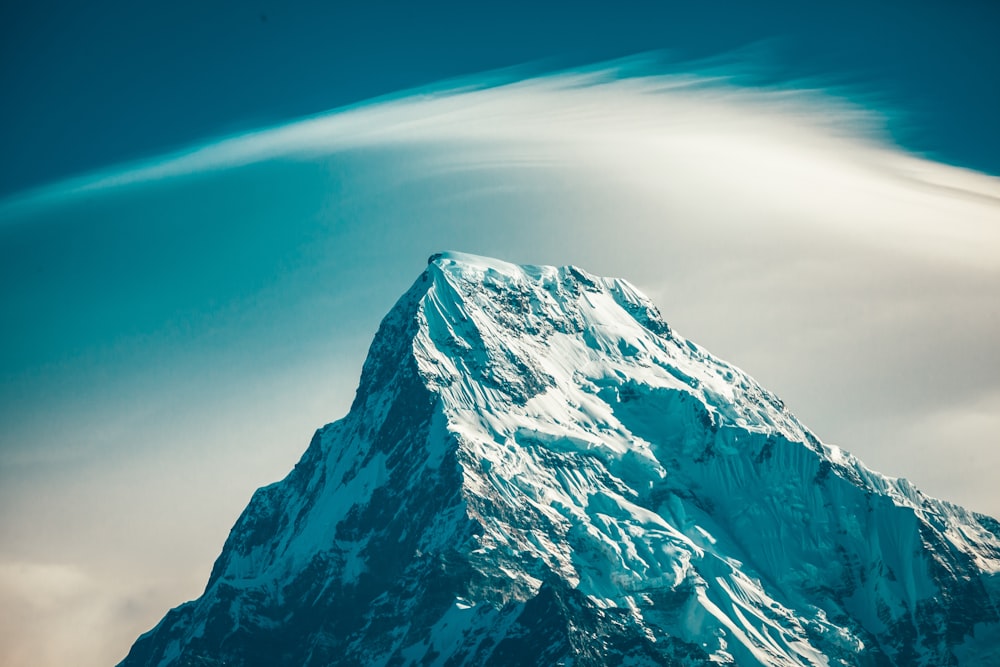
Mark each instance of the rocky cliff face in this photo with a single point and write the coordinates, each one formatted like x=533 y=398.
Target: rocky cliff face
x=537 y=470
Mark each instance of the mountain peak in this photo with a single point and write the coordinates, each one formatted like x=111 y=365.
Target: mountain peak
x=480 y=268
x=537 y=469
x=452 y=258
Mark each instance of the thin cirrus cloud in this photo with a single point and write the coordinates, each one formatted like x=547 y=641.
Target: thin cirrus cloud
x=776 y=226
x=638 y=128
x=601 y=102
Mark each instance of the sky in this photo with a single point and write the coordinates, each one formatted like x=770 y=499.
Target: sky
x=205 y=211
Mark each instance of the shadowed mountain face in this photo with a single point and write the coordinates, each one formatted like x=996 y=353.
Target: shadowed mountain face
x=537 y=470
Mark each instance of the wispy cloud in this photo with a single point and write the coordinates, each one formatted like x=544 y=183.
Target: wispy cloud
x=52 y=613
x=623 y=121
x=630 y=98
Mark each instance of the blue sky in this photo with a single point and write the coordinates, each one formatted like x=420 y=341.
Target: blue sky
x=93 y=84
x=198 y=297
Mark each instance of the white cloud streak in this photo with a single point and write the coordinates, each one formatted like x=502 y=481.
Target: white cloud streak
x=801 y=147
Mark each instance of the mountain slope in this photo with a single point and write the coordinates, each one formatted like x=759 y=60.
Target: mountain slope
x=536 y=471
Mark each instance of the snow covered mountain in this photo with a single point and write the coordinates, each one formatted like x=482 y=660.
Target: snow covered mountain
x=536 y=470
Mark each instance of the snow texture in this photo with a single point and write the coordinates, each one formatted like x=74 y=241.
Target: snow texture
x=537 y=470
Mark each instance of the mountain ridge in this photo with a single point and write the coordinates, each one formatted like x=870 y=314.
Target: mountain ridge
x=536 y=468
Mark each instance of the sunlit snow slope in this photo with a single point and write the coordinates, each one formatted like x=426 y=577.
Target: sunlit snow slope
x=537 y=470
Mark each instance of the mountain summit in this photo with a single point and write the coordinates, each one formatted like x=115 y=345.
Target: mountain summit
x=537 y=470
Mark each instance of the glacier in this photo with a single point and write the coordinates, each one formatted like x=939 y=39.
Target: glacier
x=538 y=470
